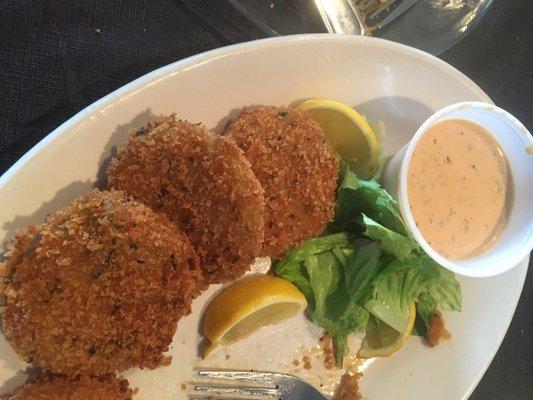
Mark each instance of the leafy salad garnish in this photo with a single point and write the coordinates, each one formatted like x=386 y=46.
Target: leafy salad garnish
x=367 y=266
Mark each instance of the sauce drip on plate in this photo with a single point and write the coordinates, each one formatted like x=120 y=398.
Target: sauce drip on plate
x=459 y=188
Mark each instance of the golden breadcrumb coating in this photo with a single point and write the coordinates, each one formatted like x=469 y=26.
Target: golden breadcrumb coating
x=348 y=388
x=203 y=183
x=58 y=387
x=437 y=330
x=297 y=169
x=326 y=343
x=98 y=287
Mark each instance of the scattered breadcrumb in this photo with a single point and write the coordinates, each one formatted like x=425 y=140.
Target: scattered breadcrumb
x=295 y=362
x=50 y=387
x=183 y=386
x=348 y=388
x=297 y=168
x=437 y=331
x=326 y=342
x=307 y=362
x=98 y=287
x=203 y=183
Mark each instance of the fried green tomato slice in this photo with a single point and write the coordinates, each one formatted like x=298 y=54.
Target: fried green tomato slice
x=98 y=287
x=58 y=387
x=297 y=168
x=203 y=183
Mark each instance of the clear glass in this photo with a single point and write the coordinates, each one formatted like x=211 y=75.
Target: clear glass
x=430 y=25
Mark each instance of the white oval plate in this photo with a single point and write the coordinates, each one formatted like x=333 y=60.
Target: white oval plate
x=385 y=81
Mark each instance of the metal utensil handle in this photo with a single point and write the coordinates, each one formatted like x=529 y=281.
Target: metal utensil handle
x=340 y=16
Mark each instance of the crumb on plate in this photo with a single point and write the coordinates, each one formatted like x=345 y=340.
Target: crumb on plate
x=437 y=331
x=307 y=362
x=348 y=388
x=326 y=342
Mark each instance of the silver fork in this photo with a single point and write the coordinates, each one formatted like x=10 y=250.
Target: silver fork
x=378 y=13
x=244 y=385
x=360 y=17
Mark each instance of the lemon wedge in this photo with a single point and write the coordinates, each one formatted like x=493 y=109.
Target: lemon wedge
x=247 y=305
x=381 y=340
x=348 y=132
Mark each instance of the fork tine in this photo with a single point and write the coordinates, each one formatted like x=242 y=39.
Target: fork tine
x=246 y=376
x=238 y=391
x=366 y=6
x=248 y=385
x=396 y=10
x=381 y=8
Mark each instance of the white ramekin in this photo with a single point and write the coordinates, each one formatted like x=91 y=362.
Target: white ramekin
x=516 y=241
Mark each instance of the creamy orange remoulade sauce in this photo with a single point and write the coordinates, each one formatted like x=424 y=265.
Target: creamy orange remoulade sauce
x=459 y=188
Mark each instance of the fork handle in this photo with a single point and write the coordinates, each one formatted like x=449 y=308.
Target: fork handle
x=300 y=391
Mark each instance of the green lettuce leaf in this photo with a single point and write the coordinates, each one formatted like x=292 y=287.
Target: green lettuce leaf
x=340 y=348
x=361 y=269
x=418 y=279
x=326 y=280
x=367 y=266
x=334 y=274
x=441 y=291
x=294 y=270
x=444 y=288
x=315 y=246
x=356 y=196
x=393 y=292
x=395 y=244
x=425 y=307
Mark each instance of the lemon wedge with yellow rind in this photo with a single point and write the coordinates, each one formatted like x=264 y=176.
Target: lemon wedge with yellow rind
x=348 y=132
x=381 y=340
x=247 y=305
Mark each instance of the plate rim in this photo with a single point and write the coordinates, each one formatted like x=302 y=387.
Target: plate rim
x=166 y=71
x=510 y=316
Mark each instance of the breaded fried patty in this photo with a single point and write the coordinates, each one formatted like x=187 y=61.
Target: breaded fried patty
x=203 y=183
x=98 y=287
x=297 y=169
x=50 y=387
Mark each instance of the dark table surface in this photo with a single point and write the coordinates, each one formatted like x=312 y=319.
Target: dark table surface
x=58 y=56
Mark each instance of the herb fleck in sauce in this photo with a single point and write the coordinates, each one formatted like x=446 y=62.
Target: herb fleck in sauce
x=459 y=177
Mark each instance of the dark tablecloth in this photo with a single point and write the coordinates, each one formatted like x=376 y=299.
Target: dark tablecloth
x=57 y=57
